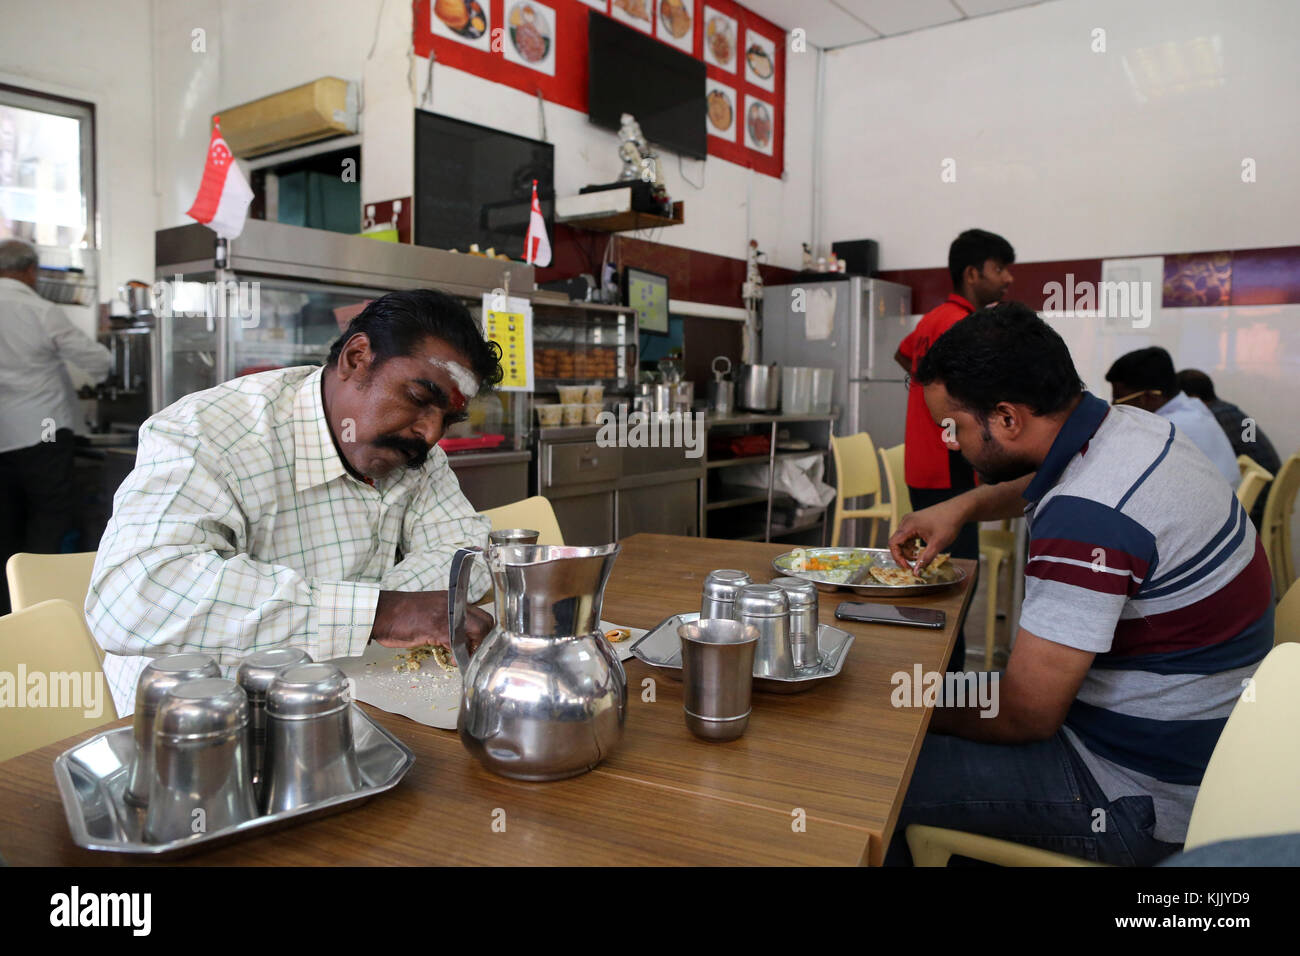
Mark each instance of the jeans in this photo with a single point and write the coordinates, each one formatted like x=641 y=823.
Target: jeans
x=39 y=508
x=1040 y=794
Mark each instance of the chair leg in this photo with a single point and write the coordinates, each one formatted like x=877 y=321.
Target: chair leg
x=872 y=539
x=991 y=614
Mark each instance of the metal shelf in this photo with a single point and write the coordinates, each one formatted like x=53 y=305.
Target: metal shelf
x=762 y=459
x=737 y=502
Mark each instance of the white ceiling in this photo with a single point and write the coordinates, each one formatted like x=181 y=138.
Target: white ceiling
x=832 y=23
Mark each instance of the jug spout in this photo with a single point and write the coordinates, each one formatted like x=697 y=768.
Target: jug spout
x=550 y=590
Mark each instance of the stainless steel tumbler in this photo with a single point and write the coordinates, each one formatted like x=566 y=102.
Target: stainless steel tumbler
x=803 y=619
x=766 y=608
x=717 y=676
x=720 y=590
x=160 y=676
x=255 y=675
x=310 y=753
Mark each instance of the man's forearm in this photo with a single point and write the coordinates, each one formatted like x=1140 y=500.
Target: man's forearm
x=1006 y=499
x=994 y=724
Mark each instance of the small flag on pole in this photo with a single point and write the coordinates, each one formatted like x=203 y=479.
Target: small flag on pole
x=222 y=202
x=537 y=245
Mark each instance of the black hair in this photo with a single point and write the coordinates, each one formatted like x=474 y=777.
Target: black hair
x=974 y=247
x=1150 y=368
x=1197 y=384
x=398 y=322
x=1004 y=353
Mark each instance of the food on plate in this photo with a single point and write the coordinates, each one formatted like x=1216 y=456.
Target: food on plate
x=760 y=62
x=759 y=119
x=413 y=660
x=528 y=33
x=895 y=577
x=636 y=9
x=717 y=32
x=462 y=16
x=675 y=17
x=828 y=565
x=617 y=634
x=720 y=114
x=912 y=547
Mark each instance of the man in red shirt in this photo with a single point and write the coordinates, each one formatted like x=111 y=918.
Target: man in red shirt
x=978 y=262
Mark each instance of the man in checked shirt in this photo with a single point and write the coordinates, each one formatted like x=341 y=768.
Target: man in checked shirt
x=303 y=506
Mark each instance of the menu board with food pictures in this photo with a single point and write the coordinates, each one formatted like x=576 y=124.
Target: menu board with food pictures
x=760 y=126
x=721 y=113
x=509 y=323
x=465 y=21
x=676 y=24
x=530 y=29
x=760 y=60
x=720 y=37
x=635 y=13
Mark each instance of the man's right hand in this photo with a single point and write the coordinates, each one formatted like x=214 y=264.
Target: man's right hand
x=416 y=618
x=938 y=525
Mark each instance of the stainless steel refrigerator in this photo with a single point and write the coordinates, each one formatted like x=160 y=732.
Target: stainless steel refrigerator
x=854 y=326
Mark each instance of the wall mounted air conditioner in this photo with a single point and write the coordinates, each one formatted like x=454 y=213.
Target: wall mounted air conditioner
x=314 y=111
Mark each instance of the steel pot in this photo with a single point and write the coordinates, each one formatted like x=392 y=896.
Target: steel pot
x=760 y=388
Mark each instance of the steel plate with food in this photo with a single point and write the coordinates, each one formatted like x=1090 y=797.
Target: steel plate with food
x=867 y=571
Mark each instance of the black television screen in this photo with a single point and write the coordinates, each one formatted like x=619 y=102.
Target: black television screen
x=475 y=184
x=663 y=88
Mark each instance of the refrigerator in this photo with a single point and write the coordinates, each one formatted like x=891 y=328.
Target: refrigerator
x=853 y=325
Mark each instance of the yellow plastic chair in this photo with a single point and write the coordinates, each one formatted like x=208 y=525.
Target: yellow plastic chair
x=534 y=513
x=997 y=547
x=34 y=578
x=1286 y=616
x=900 y=500
x=1277 y=523
x=51 y=639
x=856 y=475
x=1249 y=788
x=1254 y=479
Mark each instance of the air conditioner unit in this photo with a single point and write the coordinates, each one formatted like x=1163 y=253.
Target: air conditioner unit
x=314 y=111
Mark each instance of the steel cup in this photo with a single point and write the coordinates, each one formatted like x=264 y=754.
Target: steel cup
x=717 y=676
x=160 y=676
x=255 y=675
x=200 y=781
x=720 y=590
x=513 y=536
x=803 y=619
x=310 y=753
x=766 y=608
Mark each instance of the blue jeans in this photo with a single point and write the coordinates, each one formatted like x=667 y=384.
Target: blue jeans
x=1039 y=794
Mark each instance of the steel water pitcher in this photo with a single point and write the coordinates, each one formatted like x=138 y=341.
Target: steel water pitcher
x=544 y=696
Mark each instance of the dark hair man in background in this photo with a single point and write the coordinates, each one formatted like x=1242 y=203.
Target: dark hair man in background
x=977 y=263
x=1148 y=603
x=303 y=506
x=1244 y=434
x=1145 y=378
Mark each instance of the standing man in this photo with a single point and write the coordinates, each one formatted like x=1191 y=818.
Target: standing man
x=977 y=262
x=38 y=408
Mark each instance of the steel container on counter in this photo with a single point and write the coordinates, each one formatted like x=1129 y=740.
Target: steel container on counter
x=759 y=388
x=158 y=677
x=722 y=391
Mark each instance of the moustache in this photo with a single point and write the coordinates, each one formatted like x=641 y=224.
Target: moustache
x=415 y=450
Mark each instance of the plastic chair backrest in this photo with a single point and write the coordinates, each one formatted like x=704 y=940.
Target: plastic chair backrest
x=50 y=640
x=1277 y=523
x=856 y=470
x=1252 y=483
x=1286 y=616
x=900 y=499
x=535 y=513
x=34 y=578
x=1253 y=776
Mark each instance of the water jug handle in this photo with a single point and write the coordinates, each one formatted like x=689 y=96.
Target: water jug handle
x=457 y=597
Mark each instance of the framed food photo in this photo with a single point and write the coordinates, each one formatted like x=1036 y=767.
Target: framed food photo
x=465 y=21
x=721 y=115
x=760 y=125
x=635 y=13
x=721 y=35
x=675 y=24
x=760 y=61
x=530 y=35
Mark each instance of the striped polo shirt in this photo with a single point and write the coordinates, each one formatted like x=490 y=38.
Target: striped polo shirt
x=1140 y=553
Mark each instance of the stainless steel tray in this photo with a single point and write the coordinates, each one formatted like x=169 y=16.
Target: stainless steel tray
x=661 y=647
x=880 y=557
x=92 y=775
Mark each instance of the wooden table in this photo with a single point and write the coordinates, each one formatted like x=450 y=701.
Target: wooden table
x=818 y=777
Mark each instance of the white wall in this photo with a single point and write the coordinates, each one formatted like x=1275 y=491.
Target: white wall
x=1067 y=152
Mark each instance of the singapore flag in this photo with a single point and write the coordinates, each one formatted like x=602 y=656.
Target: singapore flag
x=223 y=198
x=537 y=245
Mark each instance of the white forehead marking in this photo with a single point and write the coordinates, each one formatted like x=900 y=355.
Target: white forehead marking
x=463 y=377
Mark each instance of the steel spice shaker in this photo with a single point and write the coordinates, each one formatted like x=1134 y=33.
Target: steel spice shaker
x=310 y=751
x=802 y=596
x=255 y=675
x=720 y=590
x=200 y=780
x=766 y=608
x=160 y=676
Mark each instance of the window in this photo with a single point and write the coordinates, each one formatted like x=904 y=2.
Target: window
x=47 y=164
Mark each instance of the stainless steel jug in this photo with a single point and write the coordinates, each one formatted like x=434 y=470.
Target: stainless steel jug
x=544 y=697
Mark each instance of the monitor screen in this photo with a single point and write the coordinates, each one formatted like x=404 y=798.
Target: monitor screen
x=647 y=294
x=474 y=184
x=663 y=88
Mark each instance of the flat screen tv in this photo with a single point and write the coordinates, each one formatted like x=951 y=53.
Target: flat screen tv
x=663 y=88
x=474 y=184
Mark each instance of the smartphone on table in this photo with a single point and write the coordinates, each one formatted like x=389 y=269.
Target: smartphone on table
x=865 y=613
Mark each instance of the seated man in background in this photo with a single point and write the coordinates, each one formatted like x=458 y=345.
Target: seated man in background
x=1147 y=606
x=1243 y=432
x=1146 y=379
x=304 y=506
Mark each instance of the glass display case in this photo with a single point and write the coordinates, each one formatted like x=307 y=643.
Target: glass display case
x=579 y=342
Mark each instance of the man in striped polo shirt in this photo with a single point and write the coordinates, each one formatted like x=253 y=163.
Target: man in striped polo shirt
x=1147 y=606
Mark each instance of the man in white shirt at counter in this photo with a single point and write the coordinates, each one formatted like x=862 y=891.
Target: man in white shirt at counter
x=38 y=408
x=306 y=507
x=1146 y=379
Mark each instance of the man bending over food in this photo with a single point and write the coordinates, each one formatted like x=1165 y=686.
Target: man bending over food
x=303 y=506
x=1147 y=606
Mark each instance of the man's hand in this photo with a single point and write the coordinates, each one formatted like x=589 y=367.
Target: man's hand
x=939 y=525
x=416 y=618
